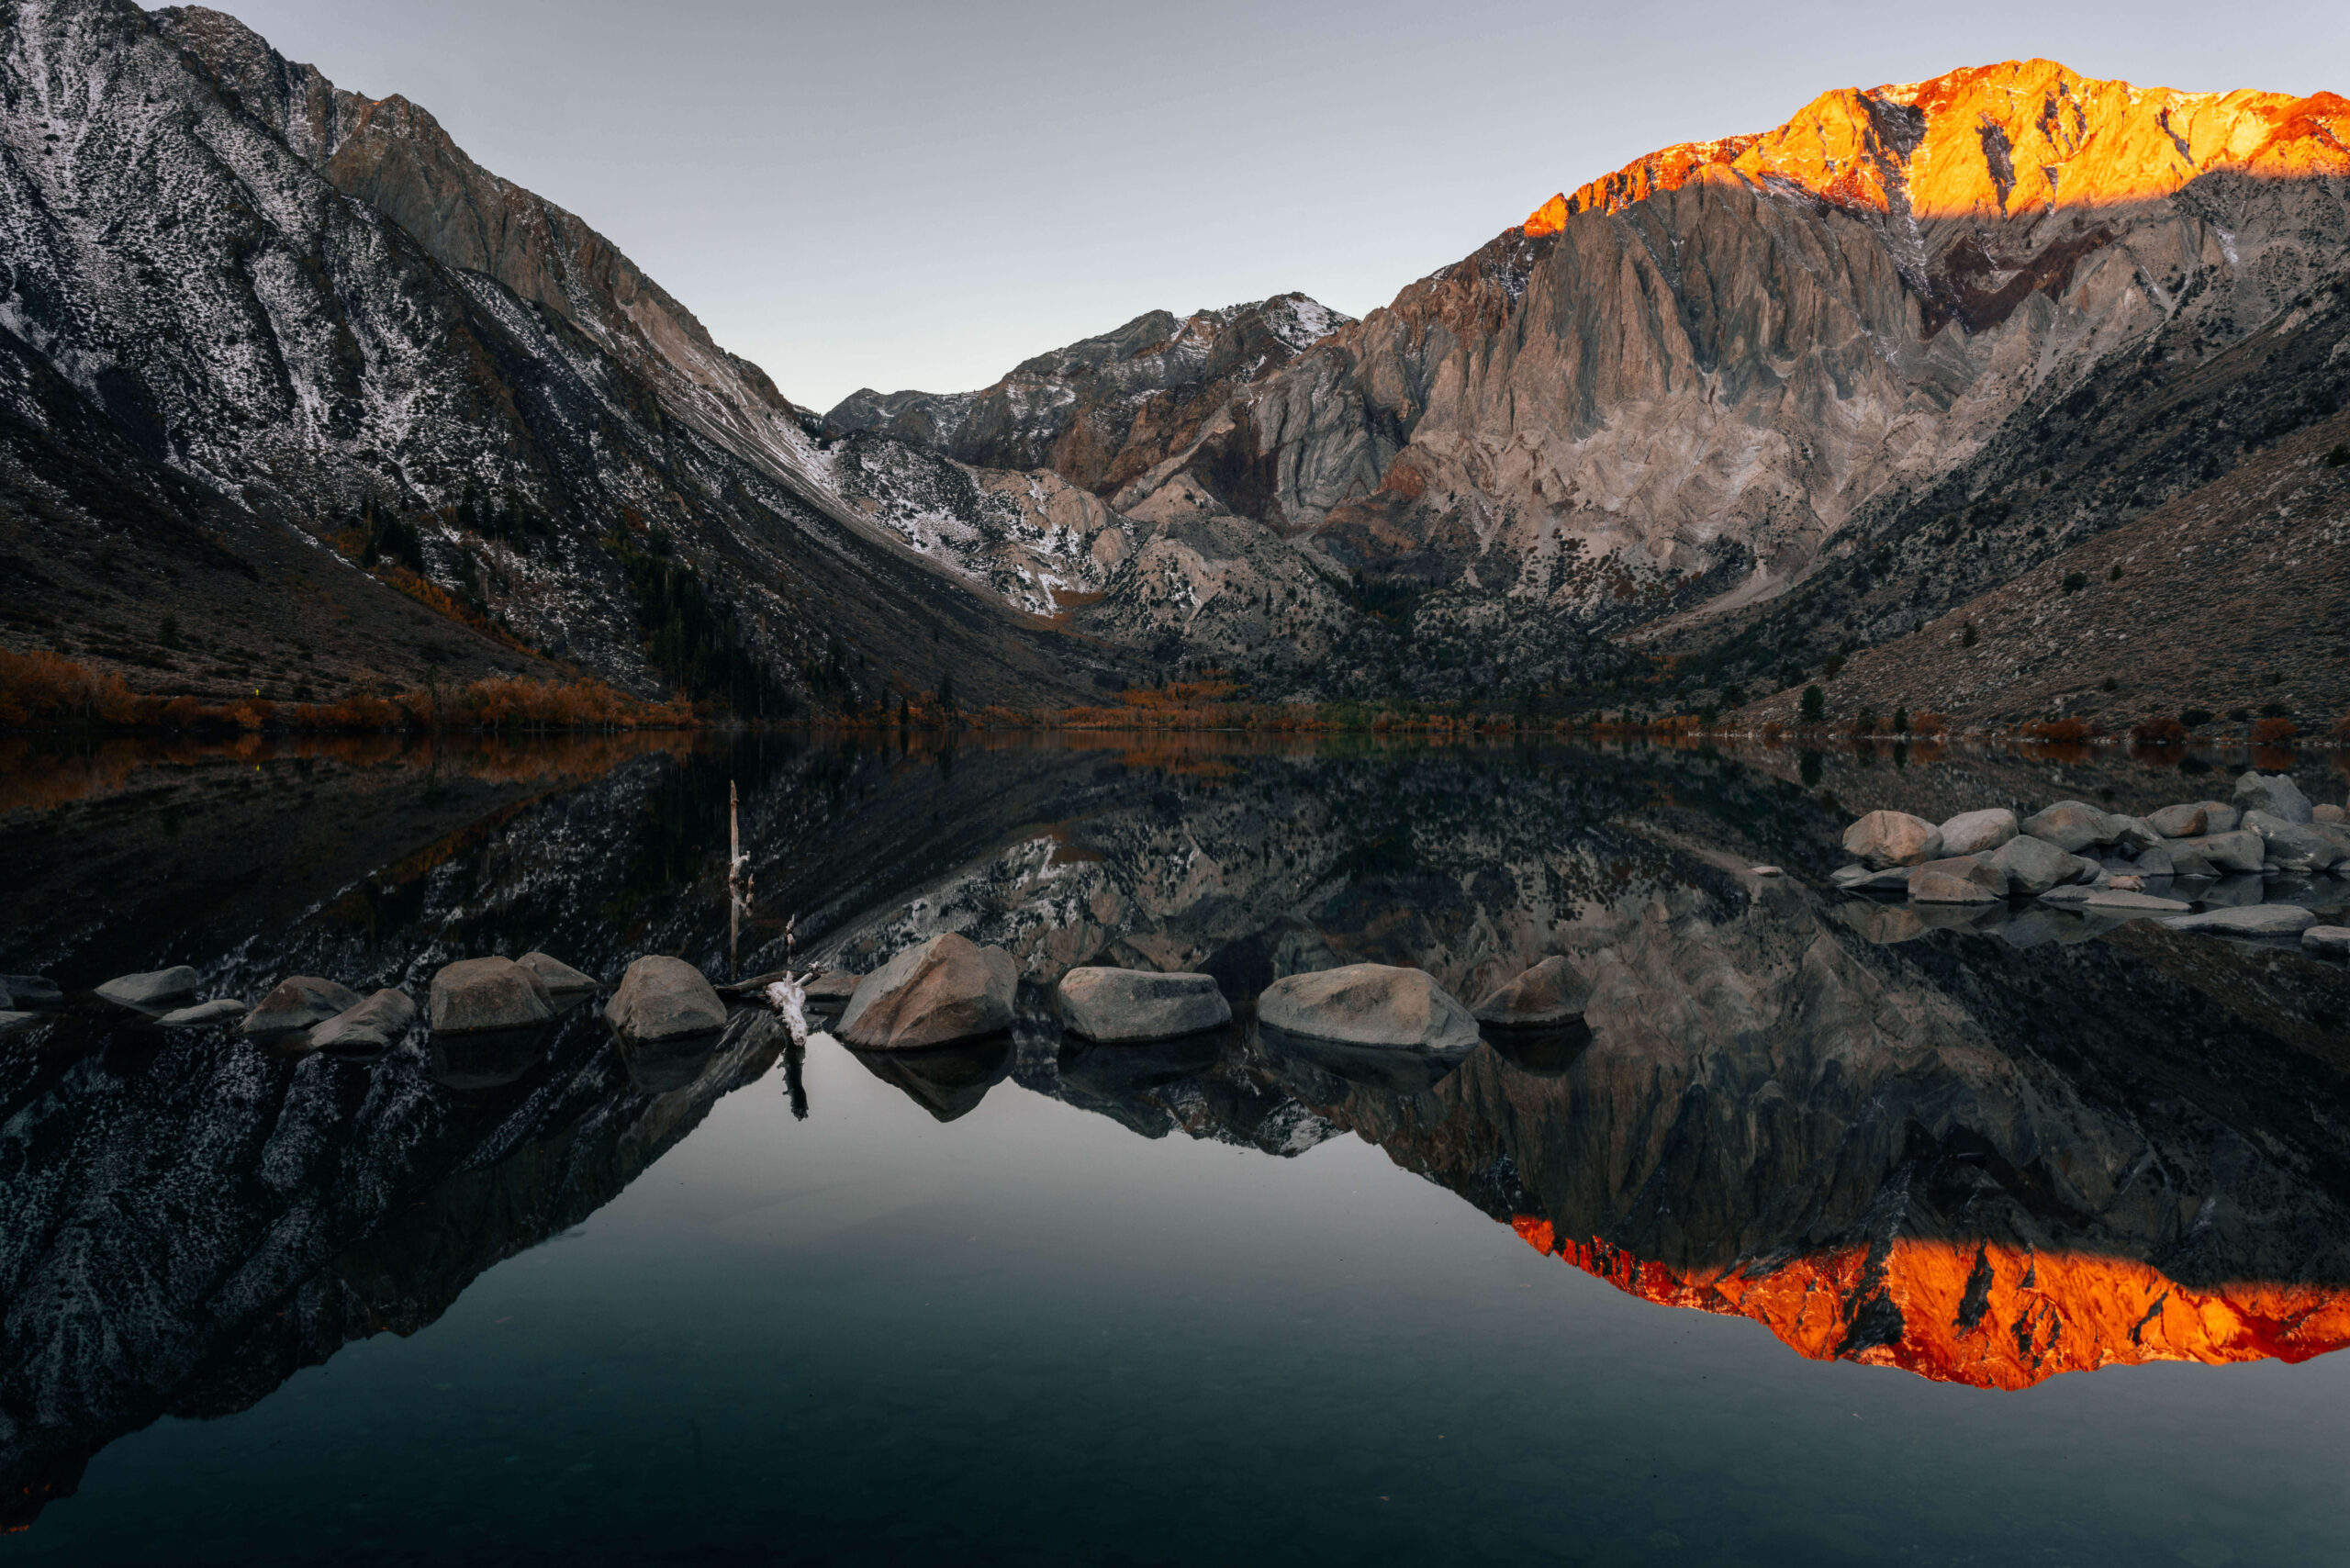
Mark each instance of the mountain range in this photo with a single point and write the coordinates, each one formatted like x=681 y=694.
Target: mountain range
x=296 y=398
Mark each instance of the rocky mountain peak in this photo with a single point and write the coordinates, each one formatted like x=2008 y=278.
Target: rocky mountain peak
x=1994 y=143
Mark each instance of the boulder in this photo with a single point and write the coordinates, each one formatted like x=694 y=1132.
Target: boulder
x=1108 y=1004
x=1372 y=1004
x=158 y=991
x=2180 y=822
x=1893 y=880
x=374 y=1024
x=2136 y=903
x=2219 y=816
x=2072 y=826
x=204 y=1015
x=945 y=989
x=2032 y=865
x=2231 y=852
x=480 y=996
x=1893 y=838
x=1978 y=832
x=31 y=991
x=2156 y=862
x=1766 y=871
x=2294 y=846
x=2331 y=941
x=2275 y=793
x=1846 y=876
x=564 y=984
x=664 y=999
x=2134 y=835
x=1548 y=994
x=2329 y=814
x=2185 y=862
x=297 y=1002
x=11 y=1022
x=2252 y=920
x=1964 y=879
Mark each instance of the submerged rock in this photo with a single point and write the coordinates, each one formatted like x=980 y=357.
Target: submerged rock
x=563 y=983
x=2120 y=899
x=1544 y=997
x=1964 y=879
x=1139 y=1005
x=2250 y=920
x=1892 y=838
x=296 y=1002
x=376 y=1023
x=945 y=989
x=31 y=991
x=1368 y=1004
x=2333 y=941
x=156 y=991
x=204 y=1015
x=665 y=999
x=479 y=996
x=1976 y=833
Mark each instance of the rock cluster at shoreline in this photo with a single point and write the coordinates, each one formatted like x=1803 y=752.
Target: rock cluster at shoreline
x=2261 y=863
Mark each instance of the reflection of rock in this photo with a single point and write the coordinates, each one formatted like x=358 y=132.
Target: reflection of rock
x=1541 y=1053
x=1369 y=1006
x=672 y=1062
x=1139 y=1005
x=948 y=1082
x=944 y=990
x=485 y=1059
x=204 y=1015
x=1310 y=1067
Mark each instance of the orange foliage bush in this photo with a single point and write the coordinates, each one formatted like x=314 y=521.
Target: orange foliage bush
x=2071 y=729
x=2342 y=728
x=2159 y=730
x=1930 y=723
x=2273 y=731
x=40 y=687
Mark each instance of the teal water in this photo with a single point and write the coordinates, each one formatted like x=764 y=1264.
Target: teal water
x=1203 y=1306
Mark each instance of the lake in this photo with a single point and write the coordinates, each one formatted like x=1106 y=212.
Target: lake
x=1831 y=1236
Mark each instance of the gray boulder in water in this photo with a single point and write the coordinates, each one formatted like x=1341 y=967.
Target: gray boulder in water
x=2180 y=822
x=154 y=992
x=1108 y=1004
x=1368 y=1004
x=1977 y=833
x=2032 y=865
x=2298 y=847
x=564 y=983
x=2240 y=851
x=945 y=989
x=2252 y=920
x=296 y=1002
x=665 y=999
x=1548 y=994
x=477 y=996
x=2333 y=941
x=374 y=1024
x=2275 y=793
x=1882 y=839
x=1965 y=879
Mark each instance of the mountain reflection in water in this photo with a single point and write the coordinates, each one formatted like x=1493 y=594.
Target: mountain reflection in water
x=1986 y=1156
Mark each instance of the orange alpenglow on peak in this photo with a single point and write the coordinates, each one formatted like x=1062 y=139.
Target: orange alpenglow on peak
x=1985 y=1314
x=1995 y=142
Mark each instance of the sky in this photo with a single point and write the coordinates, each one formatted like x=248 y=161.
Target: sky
x=921 y=193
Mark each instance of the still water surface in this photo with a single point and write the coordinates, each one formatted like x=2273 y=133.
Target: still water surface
x=1657 y=1291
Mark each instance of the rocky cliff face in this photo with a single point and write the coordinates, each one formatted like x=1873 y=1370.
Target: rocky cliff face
x=259 y=331
x=1920 y=336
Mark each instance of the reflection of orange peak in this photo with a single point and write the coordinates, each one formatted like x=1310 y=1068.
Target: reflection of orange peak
x=1993 y=1315
x=1995 y=141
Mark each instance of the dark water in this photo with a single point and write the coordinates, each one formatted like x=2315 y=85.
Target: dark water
x=1828 y=1240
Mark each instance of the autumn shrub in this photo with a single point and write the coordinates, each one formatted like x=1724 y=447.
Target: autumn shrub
x=2342 y=728
x=2273 y=731
x=2068 y=729
x=44 y=687
x=2158 y=730
x=1926 y=721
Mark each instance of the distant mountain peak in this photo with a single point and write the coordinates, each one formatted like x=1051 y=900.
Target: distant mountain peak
x=1993 y=143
